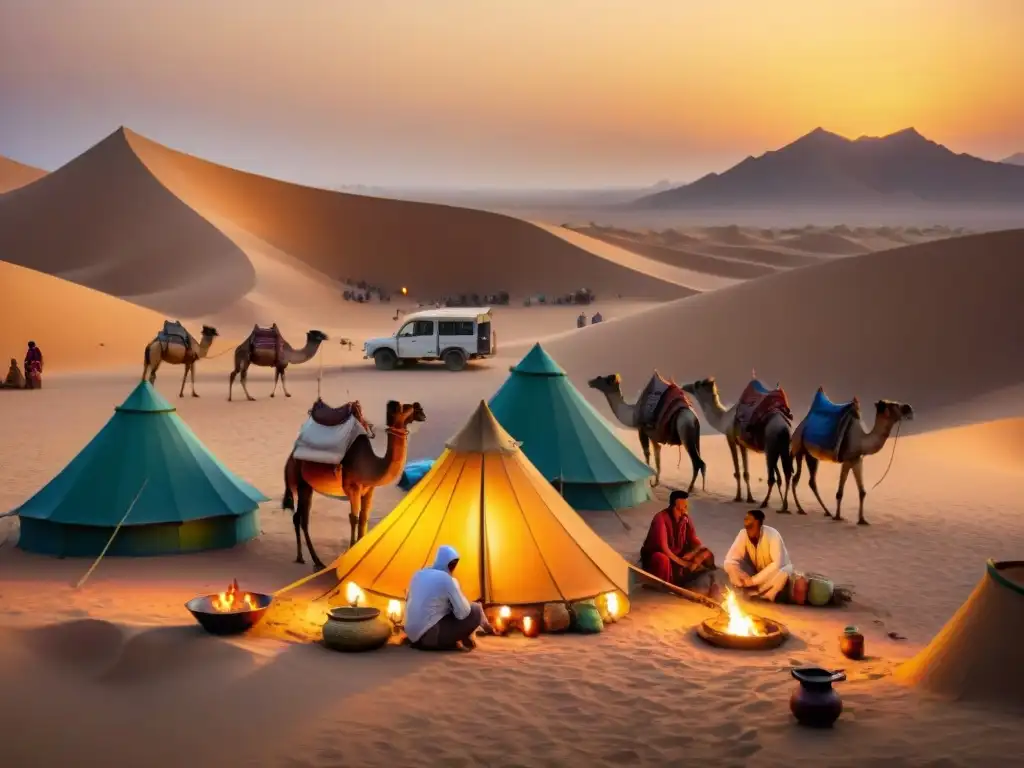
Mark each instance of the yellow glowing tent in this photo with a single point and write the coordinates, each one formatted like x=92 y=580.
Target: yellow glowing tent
x=519 y=542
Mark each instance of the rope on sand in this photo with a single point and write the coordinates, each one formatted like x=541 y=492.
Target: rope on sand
x=110 y=541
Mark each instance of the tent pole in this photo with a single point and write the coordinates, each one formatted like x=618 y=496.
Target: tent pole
x=686 y=594
x=110 y=541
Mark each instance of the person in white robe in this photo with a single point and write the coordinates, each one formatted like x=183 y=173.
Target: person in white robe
x=437 y=615
x=758 y=560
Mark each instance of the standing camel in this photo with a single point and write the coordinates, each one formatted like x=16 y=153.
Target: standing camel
x=685 y=430
x=279 y=355
x=360 y=472
x=776 y=442
x=854 y=446
x=175 y=350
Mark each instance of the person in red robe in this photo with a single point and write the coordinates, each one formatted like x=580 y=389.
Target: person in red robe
x=672 y=550
x=33 y=367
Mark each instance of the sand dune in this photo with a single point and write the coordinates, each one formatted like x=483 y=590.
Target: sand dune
x=824 y=242
x=434 y=250
x=76 y=327
x=104 y=221
x=929 y=324
x=712 y=265
x=14 y=174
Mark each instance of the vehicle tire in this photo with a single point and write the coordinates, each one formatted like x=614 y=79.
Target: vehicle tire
x=385 y=359
x=454 y=360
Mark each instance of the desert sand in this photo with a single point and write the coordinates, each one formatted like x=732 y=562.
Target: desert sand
x=117 y=669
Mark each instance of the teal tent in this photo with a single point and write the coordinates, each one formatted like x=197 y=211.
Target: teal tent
x=566 y=439
x=191 y=502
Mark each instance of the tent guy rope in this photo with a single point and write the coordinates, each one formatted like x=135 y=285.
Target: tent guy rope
x=110 y=541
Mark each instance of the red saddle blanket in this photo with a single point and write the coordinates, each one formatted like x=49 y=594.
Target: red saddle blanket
x=672 y=402
x=756 y=405
x=266 y=338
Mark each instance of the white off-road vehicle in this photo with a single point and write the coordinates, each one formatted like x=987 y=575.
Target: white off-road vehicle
x=454 y=335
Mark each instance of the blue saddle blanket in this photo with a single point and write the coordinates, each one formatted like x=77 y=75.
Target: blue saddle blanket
x=414 y=472
x=827 y=422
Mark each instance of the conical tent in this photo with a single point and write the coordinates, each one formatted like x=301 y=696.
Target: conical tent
x=519 y=542
x=979 y=655
x=566 y=438
x=190 y=501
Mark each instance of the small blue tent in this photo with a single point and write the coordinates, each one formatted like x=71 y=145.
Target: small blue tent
x=191 y=502
x=571 y=444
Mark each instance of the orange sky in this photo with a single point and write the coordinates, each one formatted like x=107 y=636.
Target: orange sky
x=540 y=92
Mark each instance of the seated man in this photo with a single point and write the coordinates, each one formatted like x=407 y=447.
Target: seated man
x=14 y=379
x=437 y=615
x=672 y=551
x=758 y=560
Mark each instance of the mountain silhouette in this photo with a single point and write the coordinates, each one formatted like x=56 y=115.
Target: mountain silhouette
x=1017 y=159
x=824 y=168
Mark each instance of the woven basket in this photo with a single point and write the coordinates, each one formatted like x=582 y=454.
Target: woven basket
x=355 y=630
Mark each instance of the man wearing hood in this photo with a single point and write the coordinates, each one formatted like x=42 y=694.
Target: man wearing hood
x=437 y=615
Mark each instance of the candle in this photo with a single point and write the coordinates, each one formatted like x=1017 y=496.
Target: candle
x=501 y=621
x=353 y=593
x=611 y=602
x=394 y=611
x=530 y=626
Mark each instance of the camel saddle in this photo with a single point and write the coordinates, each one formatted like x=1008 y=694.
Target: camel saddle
x=826 y=425
x=267 y=339
x=174 y=333
x=328 y=433
x=756 y=405
x=657 y=408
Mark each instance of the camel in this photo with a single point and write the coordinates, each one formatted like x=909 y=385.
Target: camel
x=278 y=358
x=360 y=472
x=776 y=439
x=686 y=428
x=173 y=350
x=856 y=444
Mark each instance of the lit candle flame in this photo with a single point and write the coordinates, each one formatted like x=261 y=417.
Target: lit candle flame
x=611 y=601
x=504 y=612
x=394 y=610
x=527 y=625
x=353 y=593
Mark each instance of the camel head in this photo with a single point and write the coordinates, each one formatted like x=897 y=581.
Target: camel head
x=315 y=337
x=702 y=388
x=209 y=331
x=890 y=409
x=609 y=385
x=401 y=415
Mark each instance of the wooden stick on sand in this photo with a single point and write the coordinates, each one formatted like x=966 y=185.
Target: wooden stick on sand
x=686 y=594
x=110 y=541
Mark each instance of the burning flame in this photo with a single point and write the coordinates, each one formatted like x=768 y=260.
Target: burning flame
x=739 y=623
x=405 y=291
x=233 y=600
x=527 y=625
x=353 y=594
x=394 y=610
x=504 y=613
x=611 y=602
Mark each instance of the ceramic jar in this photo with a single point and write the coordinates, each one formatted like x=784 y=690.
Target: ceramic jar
x=851 y=644
x=356 y=629
x=814 y=703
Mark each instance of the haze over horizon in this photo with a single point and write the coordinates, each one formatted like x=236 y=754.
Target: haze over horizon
x=452 y=95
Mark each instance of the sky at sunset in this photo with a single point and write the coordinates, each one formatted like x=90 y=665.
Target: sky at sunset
x=516 y=93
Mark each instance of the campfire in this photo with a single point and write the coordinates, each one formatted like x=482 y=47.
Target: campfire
x=233 y=600
x=735 y=628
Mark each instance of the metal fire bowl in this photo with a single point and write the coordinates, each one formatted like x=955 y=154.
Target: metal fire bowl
x=712 y=631
x=233 y=623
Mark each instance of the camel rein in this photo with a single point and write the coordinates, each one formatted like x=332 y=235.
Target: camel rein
x=891 y=456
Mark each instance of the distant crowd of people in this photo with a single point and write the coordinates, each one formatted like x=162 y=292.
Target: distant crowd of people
x=581 y=321
x=32 y=378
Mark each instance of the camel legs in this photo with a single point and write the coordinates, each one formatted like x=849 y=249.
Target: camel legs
x=734 y=451
x=812 y=479
x=192 y=377
x=746 y=473
x=354 y=505
x=844 y=475
x=279 y=373
x=364 y=512
x=241 y=372
x=692 y=441
x=153 y=365
x=303 y=507
x=796 y=480
x=657 y=461
x=771 y=461
x=645 y=446
x=858 y=476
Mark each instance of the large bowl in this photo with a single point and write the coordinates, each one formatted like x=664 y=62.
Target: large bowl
x=712 y=631
x=227 y=623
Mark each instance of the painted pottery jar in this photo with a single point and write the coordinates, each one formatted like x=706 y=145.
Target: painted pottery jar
x=814 y=702
x=355 y=629
x=851 y=644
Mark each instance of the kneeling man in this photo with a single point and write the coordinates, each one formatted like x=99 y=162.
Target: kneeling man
x=672 y=551
x=757 y=559
x=438 y=617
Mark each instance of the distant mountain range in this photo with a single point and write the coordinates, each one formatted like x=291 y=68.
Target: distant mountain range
x=1017 y=159
x=823 y=168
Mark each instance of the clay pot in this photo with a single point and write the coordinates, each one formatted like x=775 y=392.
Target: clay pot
x=799 y=591
x=851 y=644
x=556 y=617
x=814 y=703
x=355 y=629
